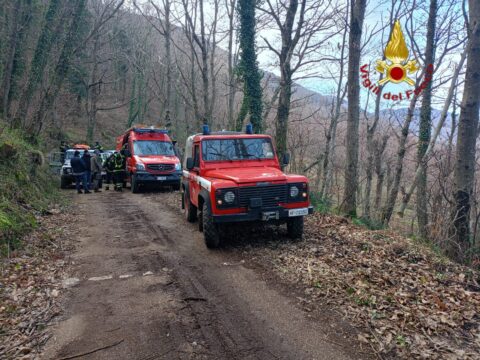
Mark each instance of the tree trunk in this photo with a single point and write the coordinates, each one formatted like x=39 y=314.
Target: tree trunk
x=380 y=173
x=93 y=92
x=39 y=61
x=464 y=172
x=168 y=55
x=425 y=127
x=438 y=129
x=395 y=184
x=283 y=109
x=371 y=155
x=61 y=69
x=8 y=67
x=231 y=74
x=252 y=97
x=349 y=204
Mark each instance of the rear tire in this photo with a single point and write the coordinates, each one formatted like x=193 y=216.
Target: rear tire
x=134 y=184
x=211 y=232
x=64 y=183
x=190 y=209
x=295 y=228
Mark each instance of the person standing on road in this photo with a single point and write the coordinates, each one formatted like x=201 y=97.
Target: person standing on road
x=108 y=165
x=96 y=166
x=118 y=171
x=88 y=167
x=78 y=170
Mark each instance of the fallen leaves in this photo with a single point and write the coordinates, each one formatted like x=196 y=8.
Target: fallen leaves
x=411 y=301
x=30 y=284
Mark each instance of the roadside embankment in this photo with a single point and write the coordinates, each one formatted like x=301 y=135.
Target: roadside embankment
x=27 y=188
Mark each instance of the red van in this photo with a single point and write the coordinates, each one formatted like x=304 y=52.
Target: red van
x=151 y=158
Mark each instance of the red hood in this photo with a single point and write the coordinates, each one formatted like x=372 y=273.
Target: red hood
x=157 y=159
x=247 y=175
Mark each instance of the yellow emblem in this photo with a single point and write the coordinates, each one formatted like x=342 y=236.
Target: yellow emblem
x=396 y=69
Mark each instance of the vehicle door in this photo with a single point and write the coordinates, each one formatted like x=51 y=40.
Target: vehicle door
x=194 y=185
x=130 y=161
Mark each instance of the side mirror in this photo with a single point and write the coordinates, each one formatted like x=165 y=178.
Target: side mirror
x=190 y=163
x=286 y=159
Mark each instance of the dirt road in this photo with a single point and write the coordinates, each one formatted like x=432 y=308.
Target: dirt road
x=149 y=289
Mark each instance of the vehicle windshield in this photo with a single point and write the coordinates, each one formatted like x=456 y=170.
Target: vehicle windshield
x=237 y=149
x=153 y=147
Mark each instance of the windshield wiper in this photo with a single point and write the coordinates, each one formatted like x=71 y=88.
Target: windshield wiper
x=254 y=156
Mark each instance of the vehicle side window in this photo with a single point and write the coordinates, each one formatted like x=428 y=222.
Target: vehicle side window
x=196 y=156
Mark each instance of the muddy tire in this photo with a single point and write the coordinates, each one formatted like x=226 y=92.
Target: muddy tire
x=211 y=232
x=190 y=209
x=295 y=228
x=134 y=184
x=64 y=183
x=200 y=220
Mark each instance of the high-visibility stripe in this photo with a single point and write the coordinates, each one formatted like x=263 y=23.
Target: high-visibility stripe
x=206 y=184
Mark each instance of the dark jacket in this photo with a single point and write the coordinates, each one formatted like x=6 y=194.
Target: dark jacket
x=86 y=159
x=108 y=164
x=78 y=165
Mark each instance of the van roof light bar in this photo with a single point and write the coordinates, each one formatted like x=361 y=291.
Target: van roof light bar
x=150 y=130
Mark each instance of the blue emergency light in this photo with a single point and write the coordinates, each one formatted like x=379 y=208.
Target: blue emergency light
x=249 y=129
x=206 y=130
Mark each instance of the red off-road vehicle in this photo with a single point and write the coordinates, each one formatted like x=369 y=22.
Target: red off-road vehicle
x=233 y=177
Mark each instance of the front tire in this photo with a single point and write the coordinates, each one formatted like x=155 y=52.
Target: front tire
x=134 y=184
x=295 y=228
x=64 y=183
x=211 y=231
x=190 y=209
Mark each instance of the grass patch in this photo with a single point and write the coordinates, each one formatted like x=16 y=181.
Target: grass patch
x=27 y=188
x=321 y=204
x=368 y=223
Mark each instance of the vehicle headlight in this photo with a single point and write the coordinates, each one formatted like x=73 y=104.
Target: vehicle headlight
x=294 y=191
x=178 y=166
x=229 y=197
x=140 y=167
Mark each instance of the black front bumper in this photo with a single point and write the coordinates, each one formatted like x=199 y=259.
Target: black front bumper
x=258 y=215
x=147 y=178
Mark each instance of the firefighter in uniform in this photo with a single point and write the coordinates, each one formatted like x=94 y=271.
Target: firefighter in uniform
x=118 y=171
x=108 y=166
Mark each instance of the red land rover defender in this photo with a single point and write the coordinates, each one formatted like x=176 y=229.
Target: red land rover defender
x=151 y=158
x=232 y=177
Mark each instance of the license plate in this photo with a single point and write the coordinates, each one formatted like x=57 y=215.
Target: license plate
x=298 y=212
x=270 y=215
x=161 y=178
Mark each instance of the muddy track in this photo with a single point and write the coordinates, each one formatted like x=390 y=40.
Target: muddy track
x=149 y=289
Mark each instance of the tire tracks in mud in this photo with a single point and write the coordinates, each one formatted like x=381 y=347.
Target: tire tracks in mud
x=224 y=337
x=179 y=301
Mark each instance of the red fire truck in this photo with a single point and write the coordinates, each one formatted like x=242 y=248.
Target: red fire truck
x=237 y=177
x=150 y=158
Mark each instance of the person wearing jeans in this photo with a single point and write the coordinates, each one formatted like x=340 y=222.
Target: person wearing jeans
x=88 y=168
x=78 y=170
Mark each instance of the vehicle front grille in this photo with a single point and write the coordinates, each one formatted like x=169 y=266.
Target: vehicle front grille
x=271 y=195
x=161 y=167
